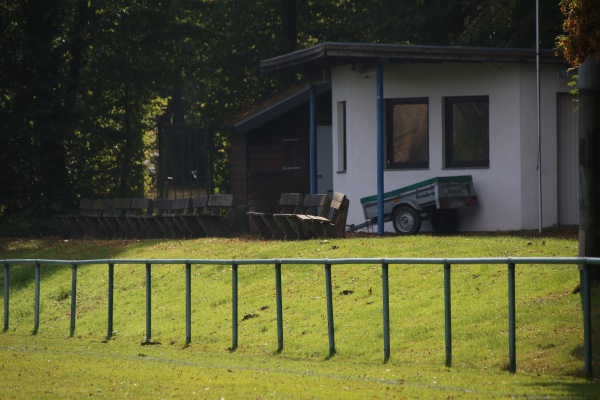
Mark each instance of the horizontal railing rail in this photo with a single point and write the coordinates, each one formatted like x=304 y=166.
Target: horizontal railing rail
x=584 y=264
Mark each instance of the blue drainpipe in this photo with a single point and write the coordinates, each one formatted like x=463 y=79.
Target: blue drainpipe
x=380 y=153
x=313 y=138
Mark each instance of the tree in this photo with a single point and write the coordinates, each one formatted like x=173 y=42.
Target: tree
x=80 y=83
x=580 y=45
x=511 y=23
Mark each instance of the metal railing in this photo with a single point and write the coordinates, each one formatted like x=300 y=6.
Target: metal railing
x=584 y=264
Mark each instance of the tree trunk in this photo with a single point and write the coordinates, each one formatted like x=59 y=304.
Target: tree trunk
x=288 y=25
x=589 y=161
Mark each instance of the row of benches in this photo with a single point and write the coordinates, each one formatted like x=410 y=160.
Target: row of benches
x=206 y=215
x=304 y=217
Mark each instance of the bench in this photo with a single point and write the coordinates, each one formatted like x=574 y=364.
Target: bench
x=145 y=218
x=170 y=222
x=91 y=222
x=149 y=224
x=132 y=222
x=191 y=219
x=291 y=227
x=71 y=224
x=265 y=222
x=109 y=221
x=219 y=215
x=334 y=224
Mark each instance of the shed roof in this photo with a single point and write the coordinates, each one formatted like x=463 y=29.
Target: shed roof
x=330 y=54
x=276 y=106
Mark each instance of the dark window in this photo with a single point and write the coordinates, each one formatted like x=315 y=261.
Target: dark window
x=407 y=132
x=466 y=132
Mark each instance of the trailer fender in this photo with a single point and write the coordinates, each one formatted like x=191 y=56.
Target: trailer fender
x=412 y=204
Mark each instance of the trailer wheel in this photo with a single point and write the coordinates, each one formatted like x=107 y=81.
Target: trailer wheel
x=444 y=220
x=406 y=220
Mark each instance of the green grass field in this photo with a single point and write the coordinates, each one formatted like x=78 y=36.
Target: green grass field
x=51 y=364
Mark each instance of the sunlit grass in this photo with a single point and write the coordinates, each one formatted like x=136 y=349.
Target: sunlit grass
x=549 y=325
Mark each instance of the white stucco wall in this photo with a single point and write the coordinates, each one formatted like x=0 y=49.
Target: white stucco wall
x=508 y=189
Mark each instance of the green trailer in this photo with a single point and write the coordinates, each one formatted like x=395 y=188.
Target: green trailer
x=437 y=200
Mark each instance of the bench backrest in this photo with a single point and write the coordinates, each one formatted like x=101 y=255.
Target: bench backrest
x=140 y=206
x=85 y=205
x=162 y=206
x=221 y=204
x=119 y=206
x=314 y=204
x=100 y=206
x=181 y=206
x=289 y=202
x=199 y=204
x=338 y=208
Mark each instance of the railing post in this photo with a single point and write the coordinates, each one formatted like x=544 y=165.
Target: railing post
x=279 y=302
x=386 y=311
x=448 y=314
x=148 y=302
x=587 y=319
x=111 y=279
x=512 y=341
x=328 y=289
x=188 y=304
x=36 y=301
x=73 y=298
x=6 y=296
x=234 y=306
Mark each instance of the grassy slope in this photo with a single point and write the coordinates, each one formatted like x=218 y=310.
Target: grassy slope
x=549 y=333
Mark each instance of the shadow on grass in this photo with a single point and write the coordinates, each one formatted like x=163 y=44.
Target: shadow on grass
x=22 y=275
x=577 y=390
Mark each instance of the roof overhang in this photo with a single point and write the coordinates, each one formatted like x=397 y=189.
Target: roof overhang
x=281 y=107
x=313 y=60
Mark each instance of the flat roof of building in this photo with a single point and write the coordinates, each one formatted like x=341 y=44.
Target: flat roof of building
x=330 y=54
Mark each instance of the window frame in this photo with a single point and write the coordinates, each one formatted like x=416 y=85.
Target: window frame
x=448 y=124
x=389 y=134
x=342 y=138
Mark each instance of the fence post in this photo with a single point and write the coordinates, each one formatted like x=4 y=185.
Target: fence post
x=148 y=302
x=279 y=301
x=448 y=313
x=6 y=295
x=234 y=306
x=188 y=304
x=512 y=341
x=328 y=289
x=386 y=311
x=36 y=302
x=73 y=298
x=584 y=272
x=111 y=279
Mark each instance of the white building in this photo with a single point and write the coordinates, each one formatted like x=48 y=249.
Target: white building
x=449 y=111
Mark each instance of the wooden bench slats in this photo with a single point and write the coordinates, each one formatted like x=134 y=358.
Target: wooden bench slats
x=290 y=225
x=318 y=215
x=265 y=222
x=334 y=225
x=71 y=222
x=190 y=220
x=219 y=215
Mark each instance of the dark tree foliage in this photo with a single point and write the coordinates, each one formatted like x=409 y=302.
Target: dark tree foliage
x=78 y=82
x=511 y=23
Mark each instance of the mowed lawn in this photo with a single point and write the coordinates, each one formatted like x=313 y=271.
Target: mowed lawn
x=51 y=364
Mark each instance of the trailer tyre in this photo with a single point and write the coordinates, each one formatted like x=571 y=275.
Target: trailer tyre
x=444 y=220
x=406 y=220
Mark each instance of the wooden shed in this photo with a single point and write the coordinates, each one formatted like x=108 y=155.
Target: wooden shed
x=270 y=148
